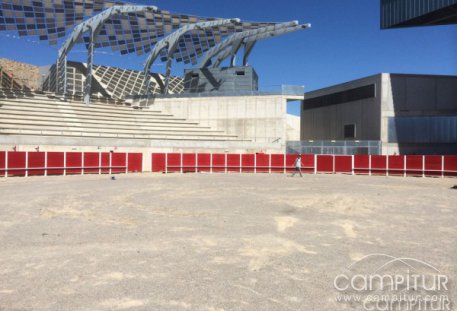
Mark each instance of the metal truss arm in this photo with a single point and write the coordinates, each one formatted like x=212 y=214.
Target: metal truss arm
x=93 y=26
x=251 y=35
x=171 y=43
x=249 y=43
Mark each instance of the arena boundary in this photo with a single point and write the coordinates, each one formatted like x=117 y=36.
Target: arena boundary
x=399 y=165
x=31 y=163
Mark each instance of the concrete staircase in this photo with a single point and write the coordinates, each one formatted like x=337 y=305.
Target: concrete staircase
x=43 y=114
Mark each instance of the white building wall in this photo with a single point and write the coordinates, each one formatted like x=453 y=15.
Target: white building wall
x=260 y=119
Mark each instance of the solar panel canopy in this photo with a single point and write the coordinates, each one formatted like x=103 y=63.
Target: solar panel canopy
x=52 y=20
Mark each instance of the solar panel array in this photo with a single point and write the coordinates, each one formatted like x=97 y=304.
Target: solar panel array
x=51 y=20
x=47 y=19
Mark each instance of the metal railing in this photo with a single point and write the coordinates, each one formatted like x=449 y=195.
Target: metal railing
x=342 y=147
x=285 y=90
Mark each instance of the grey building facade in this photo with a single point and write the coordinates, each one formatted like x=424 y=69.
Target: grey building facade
x=412 y=13
x=408 y=114
x=225 y=79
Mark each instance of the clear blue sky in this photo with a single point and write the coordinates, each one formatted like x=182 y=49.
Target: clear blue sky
x=344 y=43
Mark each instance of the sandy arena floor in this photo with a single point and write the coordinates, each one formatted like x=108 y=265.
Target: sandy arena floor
x=210 y=241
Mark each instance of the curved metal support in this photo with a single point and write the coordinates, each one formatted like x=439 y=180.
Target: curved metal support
x=93 y=25
x=248 y=36
x=249 y=43
x=171 y=44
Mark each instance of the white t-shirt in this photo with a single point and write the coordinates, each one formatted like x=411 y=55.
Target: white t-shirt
x=298 y=162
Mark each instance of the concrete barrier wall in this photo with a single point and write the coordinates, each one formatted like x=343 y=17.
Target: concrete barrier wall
x=27 y=163
x=416 y=165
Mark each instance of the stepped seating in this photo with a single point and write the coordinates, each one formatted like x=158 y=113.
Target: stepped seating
x=43 y=114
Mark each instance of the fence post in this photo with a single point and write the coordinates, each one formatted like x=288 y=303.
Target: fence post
x=352 y=164
x=442 y=166
x=46 y=163
x=26 y=164
x=255 y=163
x=241 y=163
x=334 y=164
x=387 y=165
x=181 y=162
x=64 y=163
x=369 y=165
x=404 y=166
x=315 y=164
x=210 y=162
x=285 y=162
x=99 y=163
x=82 y=163
x=6 y=164
x=126 y=162
x=269 y=163
x=110 y=162
x=196 y=166
x=226 y=162
x=423 y=166
x=166 y=162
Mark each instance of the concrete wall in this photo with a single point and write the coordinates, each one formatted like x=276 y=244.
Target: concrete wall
x=292 y=127
x=407 y=95
x=198 y=80
x=327 y=123
x=260 y=119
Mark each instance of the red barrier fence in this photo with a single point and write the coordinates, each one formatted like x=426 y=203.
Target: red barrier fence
x=414 y=165
x=28 y=163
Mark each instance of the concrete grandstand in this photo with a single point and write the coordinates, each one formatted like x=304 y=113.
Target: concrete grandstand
x=84 y=106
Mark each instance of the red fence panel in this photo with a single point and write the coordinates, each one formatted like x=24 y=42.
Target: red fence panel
x=362 y=164
x=290 y=162
x=433 y=166
x=396 y=165
x=189 y=162
x=307 y=163
x=105 y=162
x=118 y=159
x=55 y=163
x=262 y=163
x=218 y=162
x=2 y=163
x=204 y=162
x=135 y=162
x=158 y=162
x=233 y=162
x=450 y=166
x=247 y=163
x=173 y=162
x=73 y=159
x=16 y=160
x=378 y=165
x=36 y=160
x=91 y=159
x=277 y=163
x=325 y=164
x=414 y=165
x=343 y=164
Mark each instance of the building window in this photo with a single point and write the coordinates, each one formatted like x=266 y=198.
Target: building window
x=359 y=93
x=349 y=131
x=240 y=73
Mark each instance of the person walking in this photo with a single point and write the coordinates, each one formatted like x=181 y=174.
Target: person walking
x=297 y=166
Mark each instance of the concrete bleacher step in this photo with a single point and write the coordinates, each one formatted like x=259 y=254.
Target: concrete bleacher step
x=81 y=108
x=86 y=127
x=114 y=135
x=70 y=117
x=45 y=115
